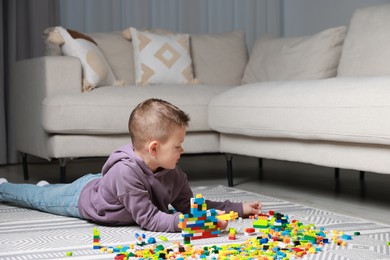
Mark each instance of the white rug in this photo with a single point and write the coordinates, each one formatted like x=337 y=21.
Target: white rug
x=29 y=234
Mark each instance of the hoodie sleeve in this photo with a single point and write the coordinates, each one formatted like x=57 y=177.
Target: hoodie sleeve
x=134 y=194
x=146 y=214
x=182 y=201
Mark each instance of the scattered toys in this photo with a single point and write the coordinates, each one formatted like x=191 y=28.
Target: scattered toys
x=274 y=236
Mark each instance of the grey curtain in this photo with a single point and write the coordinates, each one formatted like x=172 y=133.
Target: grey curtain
x=21 y=27
x=254 y=17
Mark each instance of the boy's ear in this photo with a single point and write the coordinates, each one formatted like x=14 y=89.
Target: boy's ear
x=153 y=147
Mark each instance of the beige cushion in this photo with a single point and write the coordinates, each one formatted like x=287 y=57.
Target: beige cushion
x=117 y=51
x=366 y=50
x=161 y=59
x=219 y=59
x=335 y=109
x=106 y=110
x=119 y=54
x=96 y=70
x=295 y=58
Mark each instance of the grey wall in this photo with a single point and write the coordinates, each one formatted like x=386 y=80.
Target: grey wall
x=305 y=17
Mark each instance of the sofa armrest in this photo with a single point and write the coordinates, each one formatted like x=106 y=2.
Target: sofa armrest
x=32 y=81
x=49 y=75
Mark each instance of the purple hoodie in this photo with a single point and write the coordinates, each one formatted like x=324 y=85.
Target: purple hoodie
x=130 y=193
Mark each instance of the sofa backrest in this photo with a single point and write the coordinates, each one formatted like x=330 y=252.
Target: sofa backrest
x=366 y=50
x=218 y=59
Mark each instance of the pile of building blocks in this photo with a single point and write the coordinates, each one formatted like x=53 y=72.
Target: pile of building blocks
x=200 y=223
x=272 y=236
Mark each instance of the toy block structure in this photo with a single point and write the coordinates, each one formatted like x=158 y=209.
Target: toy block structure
x=96 y=238
x=261 y=221
x=200 y=223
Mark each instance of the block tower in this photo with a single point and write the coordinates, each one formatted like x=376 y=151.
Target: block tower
x=96 y=238
x=200 y=223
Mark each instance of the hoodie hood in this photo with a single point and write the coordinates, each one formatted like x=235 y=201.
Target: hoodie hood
x=127 y=156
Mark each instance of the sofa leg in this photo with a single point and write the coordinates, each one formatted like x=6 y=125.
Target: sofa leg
x=337 y=180
x=361 y=175
x=229 y=164
x=25 y=166
x=260 y=168
x=63 y=162
x=336 y=173
x=362 y=184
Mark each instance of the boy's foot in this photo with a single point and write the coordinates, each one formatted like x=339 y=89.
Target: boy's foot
x=42 y=183
x=2 y=180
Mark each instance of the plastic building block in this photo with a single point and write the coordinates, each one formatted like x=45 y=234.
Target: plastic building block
x=229 y=216
x=249 y=231
x=162 y=238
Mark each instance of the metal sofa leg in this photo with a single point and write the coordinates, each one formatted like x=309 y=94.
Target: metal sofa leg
x=63 y=162
x=260 y=168
x=25 y=166
x=361 y=175
x=336 y=173
x=229 y=164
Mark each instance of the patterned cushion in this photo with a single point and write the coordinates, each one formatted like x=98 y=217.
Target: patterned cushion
x=161 y=58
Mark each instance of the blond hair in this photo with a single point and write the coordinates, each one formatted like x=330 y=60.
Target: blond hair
x=154 y=119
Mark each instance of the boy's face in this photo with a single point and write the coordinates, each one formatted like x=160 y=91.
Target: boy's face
x=168 y=153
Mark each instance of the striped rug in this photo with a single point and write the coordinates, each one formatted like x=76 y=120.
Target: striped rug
x=30 y=234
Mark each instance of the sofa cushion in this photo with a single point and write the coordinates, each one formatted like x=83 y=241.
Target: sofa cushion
x=119 y=54
x=219 y=59
x=336 y=109
x=117 y=51
x=107 y=110
x=295 y=58
x=96 y=69
x=366 y=49
x=161 y=59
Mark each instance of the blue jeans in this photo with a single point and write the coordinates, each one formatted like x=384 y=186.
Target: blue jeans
x=60 y=199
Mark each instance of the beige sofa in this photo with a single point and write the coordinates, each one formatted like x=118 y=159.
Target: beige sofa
x=285 y=103
x=340 y=122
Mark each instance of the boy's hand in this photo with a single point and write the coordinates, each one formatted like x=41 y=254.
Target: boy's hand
x=222 y=223
x=251 y=208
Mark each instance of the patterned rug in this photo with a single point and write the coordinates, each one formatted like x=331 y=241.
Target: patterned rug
x=29 y=234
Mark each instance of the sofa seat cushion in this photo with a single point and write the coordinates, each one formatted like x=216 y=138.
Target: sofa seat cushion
x=106 y=110
x=336 y=109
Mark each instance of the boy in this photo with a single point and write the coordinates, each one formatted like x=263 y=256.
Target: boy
x=137 y=183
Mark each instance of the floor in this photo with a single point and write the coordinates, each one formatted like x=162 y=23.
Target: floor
x=306 y=184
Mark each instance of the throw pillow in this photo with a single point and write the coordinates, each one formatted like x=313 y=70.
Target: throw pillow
x=96 y=70
x=366 y=51
x=296 y=58
x=219 y=58
x=161 y=59
x=126 y=33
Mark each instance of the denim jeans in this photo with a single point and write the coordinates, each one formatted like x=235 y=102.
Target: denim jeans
x=60 y=199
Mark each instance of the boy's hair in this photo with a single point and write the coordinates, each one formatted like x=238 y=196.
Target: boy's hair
x=154 y=119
